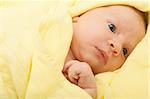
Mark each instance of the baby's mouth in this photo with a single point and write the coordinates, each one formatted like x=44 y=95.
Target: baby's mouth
x=102 y=55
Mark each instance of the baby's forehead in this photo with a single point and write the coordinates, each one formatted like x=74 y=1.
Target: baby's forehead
x=127 y=19
x=119 y=12
x=124 y=8
x=126 y=16
x=123 y=11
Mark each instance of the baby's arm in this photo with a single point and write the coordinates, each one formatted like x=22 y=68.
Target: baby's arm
x=80 y=73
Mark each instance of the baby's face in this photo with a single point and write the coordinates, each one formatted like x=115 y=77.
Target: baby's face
x=104 y=37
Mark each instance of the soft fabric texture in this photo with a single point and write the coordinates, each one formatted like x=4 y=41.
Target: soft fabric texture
x=34 y=40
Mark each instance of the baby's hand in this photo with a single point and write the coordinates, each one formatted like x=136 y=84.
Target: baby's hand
x=80 y=73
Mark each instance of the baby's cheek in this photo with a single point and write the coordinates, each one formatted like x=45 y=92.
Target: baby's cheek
x=116 y=63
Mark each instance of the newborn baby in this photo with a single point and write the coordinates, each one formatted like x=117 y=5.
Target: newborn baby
x=102 y=40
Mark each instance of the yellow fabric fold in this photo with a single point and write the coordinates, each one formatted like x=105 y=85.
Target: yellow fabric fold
x=35 y=37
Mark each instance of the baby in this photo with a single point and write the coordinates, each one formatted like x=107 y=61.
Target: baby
x=102 y=40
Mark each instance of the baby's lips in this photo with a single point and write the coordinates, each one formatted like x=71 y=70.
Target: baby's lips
x=102 y=54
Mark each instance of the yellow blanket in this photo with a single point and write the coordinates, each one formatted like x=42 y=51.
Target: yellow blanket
x=34 y=40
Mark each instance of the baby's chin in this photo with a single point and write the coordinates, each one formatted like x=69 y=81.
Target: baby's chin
x=94 y=62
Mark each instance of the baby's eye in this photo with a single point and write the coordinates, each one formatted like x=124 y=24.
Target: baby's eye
x=125 y=51
x=112 y=27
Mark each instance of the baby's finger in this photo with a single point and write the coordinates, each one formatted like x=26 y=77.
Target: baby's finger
x=66 y=75
x=73 y=79
x=68 y=64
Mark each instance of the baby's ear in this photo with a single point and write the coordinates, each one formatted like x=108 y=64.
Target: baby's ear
x=75 y=19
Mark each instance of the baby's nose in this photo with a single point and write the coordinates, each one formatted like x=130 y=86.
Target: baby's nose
x=115 y=47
